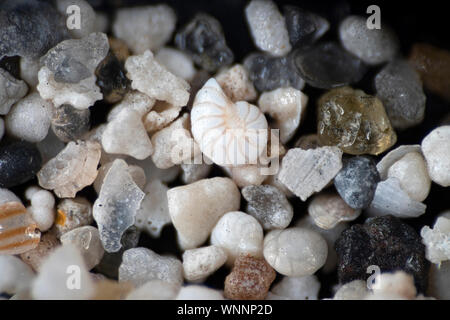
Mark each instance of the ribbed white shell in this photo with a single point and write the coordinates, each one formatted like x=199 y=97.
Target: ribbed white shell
x=228 y=133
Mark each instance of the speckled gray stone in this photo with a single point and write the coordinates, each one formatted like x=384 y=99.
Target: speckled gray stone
x=268 y=205
x=327 y=65
x=399 y=87
x=357 y=181
x=373 y=46
x=29 y=28
x=269 y=73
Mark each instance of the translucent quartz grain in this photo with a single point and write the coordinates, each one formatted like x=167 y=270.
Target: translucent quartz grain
x=80 y=95
x=116 y=206
x=140 y=265
x=402 y=205
x=74 y=168
x=433 y=65
x=76 y=59
x=354 y=121
x=153 y=213
x=203 y=38
x=18 y=231
x=250 y=279
x=87 y=241
x=268 y=27
x=295 y=252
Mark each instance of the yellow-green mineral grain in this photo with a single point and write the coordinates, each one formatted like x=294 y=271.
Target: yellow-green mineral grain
x=354 y=121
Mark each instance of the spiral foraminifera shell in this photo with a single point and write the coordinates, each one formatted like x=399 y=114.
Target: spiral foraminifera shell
x=228 y=133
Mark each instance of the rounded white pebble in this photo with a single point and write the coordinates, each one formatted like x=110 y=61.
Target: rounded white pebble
x=154 y=290
x=53 y=281
x=30 y=191
x=144 y=27
x=268 y=27
x=238 y=233
x=295 y=252
x=411 y=171
x=16 y=275
x=297 y=288
x=354 y=290
x=436 y=149
x=197 y=292
x=177 y=62
x=29 y=119
x=43 y=216
x=43 y=198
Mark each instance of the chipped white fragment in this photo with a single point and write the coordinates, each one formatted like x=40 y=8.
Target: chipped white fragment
x=126 y=134
x=80 y=95
x=307 y=171
x=149 y=77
